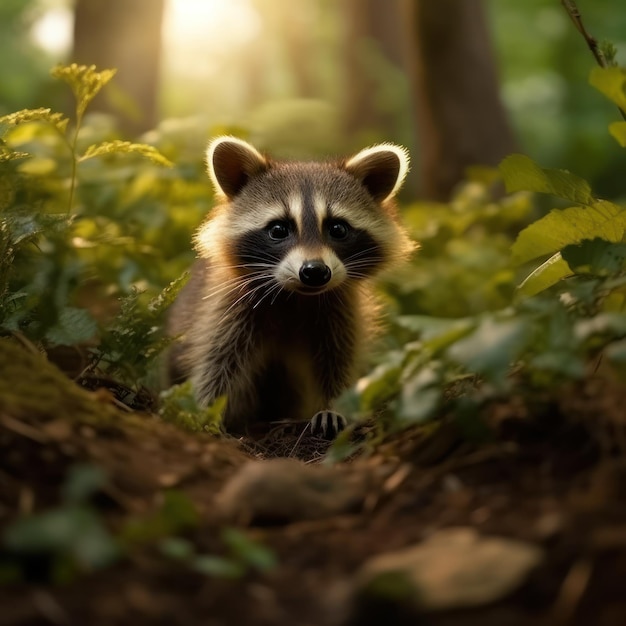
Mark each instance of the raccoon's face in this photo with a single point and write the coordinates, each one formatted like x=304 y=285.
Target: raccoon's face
x=305 y=227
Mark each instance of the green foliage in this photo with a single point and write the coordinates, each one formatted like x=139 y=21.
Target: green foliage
x=72 y=539
x=178 y=406
x=84 y=81
x=462 y=266
x=84 y=218
x=585 y=238
x=126 y=147
x=177 y=514
x=68 y=539
x=134 y=338
x=95 y=235
x=243 y=556
x=558 y=300
x=610 y=81
x=57 y=120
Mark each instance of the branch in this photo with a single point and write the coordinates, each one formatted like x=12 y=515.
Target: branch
x=592 y=43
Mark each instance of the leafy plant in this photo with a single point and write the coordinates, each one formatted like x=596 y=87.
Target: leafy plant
x=83 y=216
x=243 y=555
x=547 y=308
x=59 y=543
x=178 y=406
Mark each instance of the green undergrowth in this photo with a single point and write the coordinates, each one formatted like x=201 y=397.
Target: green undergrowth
x=498 y=289
x=95 y=241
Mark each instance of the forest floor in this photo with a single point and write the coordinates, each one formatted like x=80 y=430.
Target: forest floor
x=551 y=482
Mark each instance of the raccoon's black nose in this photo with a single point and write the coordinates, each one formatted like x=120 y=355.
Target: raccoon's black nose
x=315 y=273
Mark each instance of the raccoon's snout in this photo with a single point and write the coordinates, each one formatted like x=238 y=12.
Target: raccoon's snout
x=315 y=273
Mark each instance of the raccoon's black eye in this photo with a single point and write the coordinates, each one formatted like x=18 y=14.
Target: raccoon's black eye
x=338 y=229
x=278 y=230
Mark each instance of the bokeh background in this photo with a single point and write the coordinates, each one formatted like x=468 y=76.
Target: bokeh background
x=319 y=77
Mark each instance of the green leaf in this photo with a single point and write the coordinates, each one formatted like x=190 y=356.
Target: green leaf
x=177 y=548
x=126 y=147
x=435 y=333
x=561 y=228
x=248 y=551
x=382 y=383
x=158 y=305
x=546 y=275
x=218 y=567
x=83 y=480
x=343 y=446
x=595 y=256
x=73 y=326
x=420 y=396
x=74 y=531
x=608 y=324
x=492 y=347
x=561 y=362
x=611 y=81
x=177 y=514
x=616 y=352
x=521 y=173
x=618 y=131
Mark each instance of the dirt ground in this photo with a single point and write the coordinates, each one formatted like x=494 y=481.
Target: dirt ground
x=553 y=476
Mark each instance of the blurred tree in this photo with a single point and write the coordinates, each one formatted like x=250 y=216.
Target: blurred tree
x=461 y=120
x=24 y=72
x=287 y=34
x=375 y=56
x=124 y=34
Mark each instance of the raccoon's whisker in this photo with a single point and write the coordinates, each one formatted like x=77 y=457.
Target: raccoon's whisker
x=248 y=294
x=234 y=284
x=227 y=287
x=354 y=274
x=360 y=253
x=276 y=288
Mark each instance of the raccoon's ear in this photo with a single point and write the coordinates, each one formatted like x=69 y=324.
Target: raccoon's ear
x=381 y=169
x=231 y=163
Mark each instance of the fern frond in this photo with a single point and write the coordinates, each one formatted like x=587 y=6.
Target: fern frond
x=126 y=147
x=84 y=81
x=159 y=304
x=6 y=154
x=58 y=120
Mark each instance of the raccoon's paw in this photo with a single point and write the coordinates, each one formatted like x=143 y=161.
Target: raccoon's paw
x=328 y=424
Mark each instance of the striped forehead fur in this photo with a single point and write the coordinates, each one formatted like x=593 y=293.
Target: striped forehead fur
x=290 y=190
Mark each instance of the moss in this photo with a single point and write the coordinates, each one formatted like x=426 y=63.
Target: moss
x=31 y=387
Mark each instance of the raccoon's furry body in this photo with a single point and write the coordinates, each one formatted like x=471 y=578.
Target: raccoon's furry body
x=278 y=307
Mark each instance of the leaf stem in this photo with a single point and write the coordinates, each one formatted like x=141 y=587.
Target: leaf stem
x=79 y=119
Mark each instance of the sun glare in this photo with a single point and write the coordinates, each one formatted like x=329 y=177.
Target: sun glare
x=53 y=31
x=198 y=32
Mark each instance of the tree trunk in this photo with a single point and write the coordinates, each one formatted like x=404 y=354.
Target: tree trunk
x=374 y=32
x=123 y=34
x=461 y=120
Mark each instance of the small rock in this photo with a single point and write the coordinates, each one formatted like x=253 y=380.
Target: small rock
x=287 y=490
x=454 y=568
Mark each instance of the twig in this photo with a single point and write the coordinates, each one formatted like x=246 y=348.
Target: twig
x=592 y=43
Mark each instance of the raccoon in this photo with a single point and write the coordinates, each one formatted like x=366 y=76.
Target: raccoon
x=279 y=304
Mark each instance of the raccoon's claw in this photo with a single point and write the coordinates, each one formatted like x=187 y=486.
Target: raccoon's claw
x=328 y=424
